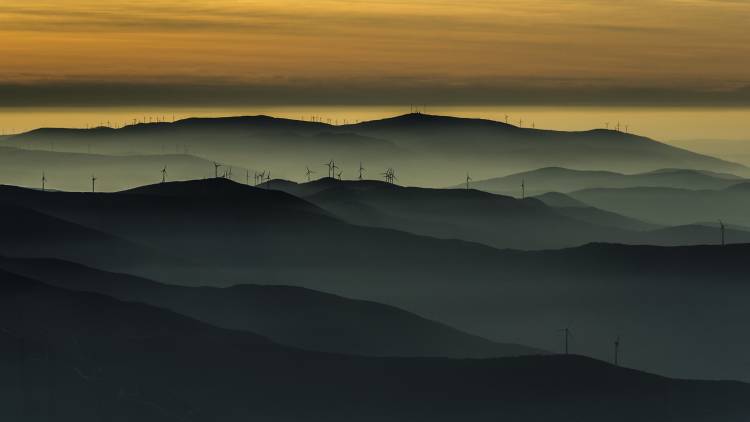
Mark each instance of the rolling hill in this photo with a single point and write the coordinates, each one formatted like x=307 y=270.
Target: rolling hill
x=426 y=150
x=72 y=171
x=293 y=316
x=673 y=206
x=224 y=234
x=494 y=220
x=86 y=357
x=557 y=179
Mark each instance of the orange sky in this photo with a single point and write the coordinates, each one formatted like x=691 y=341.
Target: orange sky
x=664 y=44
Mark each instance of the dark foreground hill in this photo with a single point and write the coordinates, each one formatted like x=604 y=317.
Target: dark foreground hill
x=75 y=356
x=289 y=315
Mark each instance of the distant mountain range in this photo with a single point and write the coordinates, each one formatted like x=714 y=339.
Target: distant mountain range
x=424 y=149
x=70 y=355
x=558 y=179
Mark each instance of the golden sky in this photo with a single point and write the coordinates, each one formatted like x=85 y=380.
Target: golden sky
x=461 y=46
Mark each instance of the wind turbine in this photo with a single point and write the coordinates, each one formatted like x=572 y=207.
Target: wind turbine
x=93 y=183
x=308 y=173
x=567 y=333
x=329 y=165
x=333 y=168
x=468 y=179
x=389 y=175
x=617 y=351
x=722 y=227
x=216 y=169
x=44 y=180
x=523 y=188
x=339 y=174
x=261 y=176
x=361 y=169
x=164 y=174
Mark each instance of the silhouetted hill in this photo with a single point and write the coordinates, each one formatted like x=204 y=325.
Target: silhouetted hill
x=29 y=233
x=495 y=220
x=596 y=216
x=655 y=297
x=258 y=142
x=578 y=210
x=72 y=171
x=508 y=145
x=697 y=234
x=240 y=230
x=290 y=315
x=673 y=206
x=557 y=179
x=425 y=149
x=560 y=200
x=87 y=357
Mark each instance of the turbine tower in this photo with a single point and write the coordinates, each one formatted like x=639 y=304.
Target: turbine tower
x=566 y=336
x=523 y=188
x=361 y=169
x=330 y=167
x=722 y=227
x=308 y=173
x=617 y=351
x=44 y=181
x=468 y=179
x=334 y=167
x=164 y=174
x=93 y=183
x=216 y=169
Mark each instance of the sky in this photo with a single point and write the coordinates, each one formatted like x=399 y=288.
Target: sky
x=195 y=52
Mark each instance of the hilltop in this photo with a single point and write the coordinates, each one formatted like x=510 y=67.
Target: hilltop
x=248 y=235
x=88 y=357
x=563 y=180
x=294 y=316
x=425 y=149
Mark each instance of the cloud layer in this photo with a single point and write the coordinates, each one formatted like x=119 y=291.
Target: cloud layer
x=296 y=51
